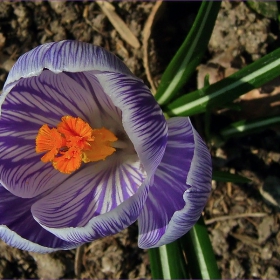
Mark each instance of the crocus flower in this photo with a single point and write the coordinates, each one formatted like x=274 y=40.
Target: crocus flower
x=85 y=151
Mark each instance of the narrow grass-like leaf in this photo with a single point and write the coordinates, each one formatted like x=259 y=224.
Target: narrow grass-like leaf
x=199 y=252
x=155 y=263
x=267 y=9
x=223 y=176
x=190 y=53
x=244 y=127
x=252 y=76
x=168 y=262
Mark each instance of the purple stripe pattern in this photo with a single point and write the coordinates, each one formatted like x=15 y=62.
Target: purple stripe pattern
x=160 y=173
x=182 y=181
x=16 y=219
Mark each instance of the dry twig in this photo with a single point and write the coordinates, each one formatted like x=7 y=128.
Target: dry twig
x=109 y=10
x=78 y=260
x=146 y=36
x=238 y=216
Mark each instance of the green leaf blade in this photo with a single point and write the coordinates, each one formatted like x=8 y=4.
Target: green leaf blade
x=168 y=262
x=241 y=128
x=216 y=95
x=198 y=249
x=190 y=53
x=223 y=176
x=267 y=9
x=155 y=263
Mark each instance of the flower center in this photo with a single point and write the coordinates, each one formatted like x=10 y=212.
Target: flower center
x=73 y=142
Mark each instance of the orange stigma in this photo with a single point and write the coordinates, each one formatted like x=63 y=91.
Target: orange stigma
x=73 y=142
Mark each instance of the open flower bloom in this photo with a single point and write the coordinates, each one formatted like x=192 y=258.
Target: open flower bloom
x=85 y=151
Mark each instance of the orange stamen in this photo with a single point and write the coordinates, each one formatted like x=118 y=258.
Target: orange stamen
x=100 y=147
x=48 y=140
x=71 y=126
x=72 y=142
x=77 y=141
x=69 y=161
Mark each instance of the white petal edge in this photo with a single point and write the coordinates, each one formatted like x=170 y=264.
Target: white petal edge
x=70 y=56
x=106 y=224
x=142 y=117
x=195 y=197
x=94 y=190
x=13 y=239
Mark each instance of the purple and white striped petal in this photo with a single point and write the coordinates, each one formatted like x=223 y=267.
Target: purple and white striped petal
x=44 y=100
x=142 y=117
x=96 y=189
x=69 y=56
x=19 y=229
x=32 y=98
x=97 y=87
x=106 y=224
x=181 y=187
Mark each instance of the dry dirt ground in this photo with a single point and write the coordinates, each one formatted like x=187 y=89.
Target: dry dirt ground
x=243 y=219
